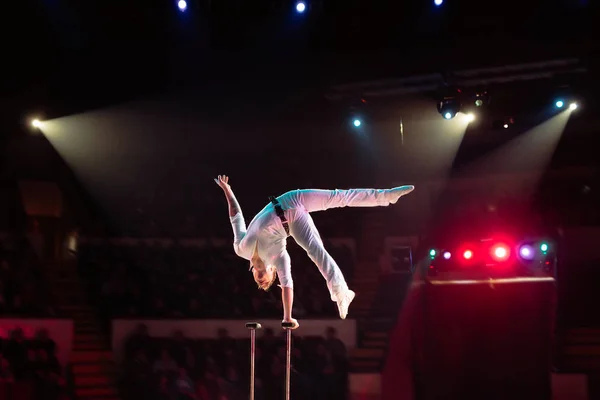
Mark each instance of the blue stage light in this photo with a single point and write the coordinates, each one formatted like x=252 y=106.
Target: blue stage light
x=357 y=122
x=438 y=2
x=300 y=7
x=559 y=103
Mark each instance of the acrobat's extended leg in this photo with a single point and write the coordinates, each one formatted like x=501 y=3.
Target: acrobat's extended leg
x=304 y=231
x=318 y=200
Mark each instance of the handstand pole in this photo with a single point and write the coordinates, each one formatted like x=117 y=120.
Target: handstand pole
x=288 y=356
x=252 y=327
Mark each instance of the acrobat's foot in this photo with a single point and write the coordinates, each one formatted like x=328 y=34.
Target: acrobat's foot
x=343 y=302
x=399 y=191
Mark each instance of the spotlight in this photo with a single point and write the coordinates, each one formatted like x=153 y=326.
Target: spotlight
x=505 y=126
x=449 y=107
x=182 y=4
x=573 y=106
x=300 y=7
x=357 y=122
x=468 y=254
x=432 y=253
x=447 y=255
x=470 y=117
x=500 y=252
x=438 y=2
x=526 y=252
x=36 y=123
x=544 y=247
x=559 y=104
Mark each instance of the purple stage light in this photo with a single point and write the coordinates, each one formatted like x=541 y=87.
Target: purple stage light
x=526 y=252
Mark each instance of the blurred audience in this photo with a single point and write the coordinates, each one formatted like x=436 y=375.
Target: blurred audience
x=218 y=369
x=23 y=289
x=29 y=369
x=198 y=282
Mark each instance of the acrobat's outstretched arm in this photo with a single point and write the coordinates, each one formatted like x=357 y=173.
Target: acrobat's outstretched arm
x=235 y=212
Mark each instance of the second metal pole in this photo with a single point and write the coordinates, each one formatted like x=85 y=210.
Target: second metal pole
x=252 y=326
x=288 y=363
x=288 y=357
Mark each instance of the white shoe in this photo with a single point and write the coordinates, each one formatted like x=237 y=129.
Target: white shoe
x=397 y=192
x=343 y=302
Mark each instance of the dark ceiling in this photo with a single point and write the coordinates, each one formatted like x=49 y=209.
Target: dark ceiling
x=82 y=54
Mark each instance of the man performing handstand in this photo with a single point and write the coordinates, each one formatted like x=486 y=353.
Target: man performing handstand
x=263 y=242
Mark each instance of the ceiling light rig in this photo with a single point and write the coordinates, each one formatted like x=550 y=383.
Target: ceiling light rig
x=450 y=103
x=481 y=98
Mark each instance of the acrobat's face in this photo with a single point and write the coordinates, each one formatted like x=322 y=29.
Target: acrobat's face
x=263 y=275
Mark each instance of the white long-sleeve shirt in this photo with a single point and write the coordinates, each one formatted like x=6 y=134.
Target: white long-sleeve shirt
x=265 y=231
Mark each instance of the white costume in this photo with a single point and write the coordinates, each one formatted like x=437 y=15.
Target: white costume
x=266 y=230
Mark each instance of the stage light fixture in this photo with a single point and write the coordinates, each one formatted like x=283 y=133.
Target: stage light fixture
x=438 y=2
x=300 y=7
x=356 y=122
x=467 y=254
x=449 y=107
x=182 y=5
x=573 y=106
x=470 y=117
x=432 y=253
x=447 y=255
x=36 y=123
x=482 y=98
x=559 y=104
x=544 y=247
x=526 y=252
x=500 y=252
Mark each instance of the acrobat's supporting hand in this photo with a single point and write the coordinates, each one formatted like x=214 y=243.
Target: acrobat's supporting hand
x=291 y=323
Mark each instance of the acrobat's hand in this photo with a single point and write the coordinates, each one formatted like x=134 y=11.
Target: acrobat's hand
x=293 y=321
x=223 y=182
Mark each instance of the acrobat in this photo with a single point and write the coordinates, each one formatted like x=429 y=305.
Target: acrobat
x=263 y=242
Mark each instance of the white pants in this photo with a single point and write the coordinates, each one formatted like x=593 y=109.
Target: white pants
x=299 y=203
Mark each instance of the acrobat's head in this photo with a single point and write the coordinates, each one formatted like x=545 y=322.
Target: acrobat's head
x=264 y=275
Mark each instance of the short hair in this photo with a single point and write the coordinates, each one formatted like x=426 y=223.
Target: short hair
x=270 y=283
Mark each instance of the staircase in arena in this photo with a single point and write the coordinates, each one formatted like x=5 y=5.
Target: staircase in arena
x=372 y=344
x=92 y=362
x=378 y=298
x=375 y=324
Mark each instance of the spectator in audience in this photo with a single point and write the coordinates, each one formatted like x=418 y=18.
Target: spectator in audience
x=316 y=372
x=184 y=386
x=6 y=374
x=137 y=341
x=23 y=292
x=165 y=364
x=134 y=281
x=32 y=368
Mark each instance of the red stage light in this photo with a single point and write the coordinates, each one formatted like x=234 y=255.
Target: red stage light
x=468 y=254
x=500 y=252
